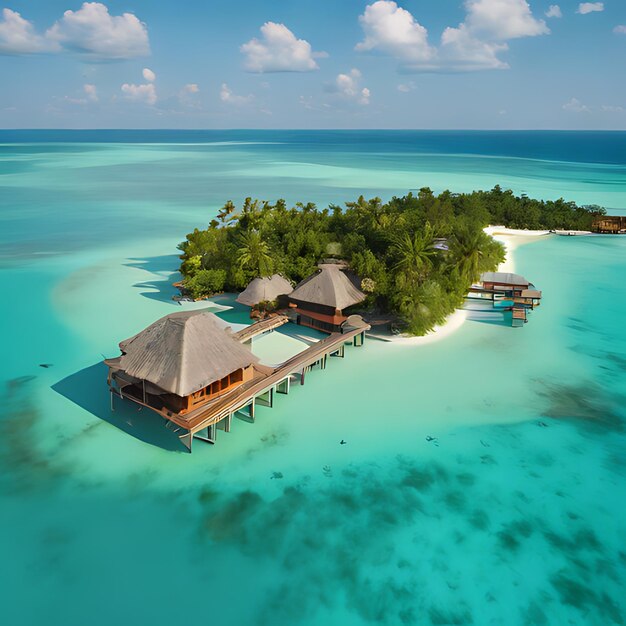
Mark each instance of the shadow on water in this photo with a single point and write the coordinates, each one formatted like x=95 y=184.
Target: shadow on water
x=492 y=318
x=87 y=389
x=159 y=288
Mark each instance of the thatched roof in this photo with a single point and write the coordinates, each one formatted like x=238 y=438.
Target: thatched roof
x=184 y=352
x=264 y=290
x=329 y=287
x=502 y=278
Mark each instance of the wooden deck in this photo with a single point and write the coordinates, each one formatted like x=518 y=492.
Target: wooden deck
x=266 y=381
x=258 y=328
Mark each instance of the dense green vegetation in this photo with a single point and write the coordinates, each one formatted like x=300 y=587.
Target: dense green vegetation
x=395 y=247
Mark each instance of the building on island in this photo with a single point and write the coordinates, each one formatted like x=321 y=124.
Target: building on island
x=180 y=362
x=508 y=292
x=320 y=300
x=265 y=289
x=610 y=224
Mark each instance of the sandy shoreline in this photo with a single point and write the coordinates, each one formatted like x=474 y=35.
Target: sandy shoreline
x=511 y=239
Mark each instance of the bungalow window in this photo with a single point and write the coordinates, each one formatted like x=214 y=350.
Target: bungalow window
x=236 y=377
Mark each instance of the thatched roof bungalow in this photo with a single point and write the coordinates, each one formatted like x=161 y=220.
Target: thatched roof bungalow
x=320 y=299
x=181 y=362
x=265 y=289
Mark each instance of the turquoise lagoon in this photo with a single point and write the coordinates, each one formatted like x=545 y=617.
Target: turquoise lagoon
x=515 y=513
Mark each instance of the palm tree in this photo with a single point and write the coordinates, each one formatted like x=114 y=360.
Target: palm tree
x=415 y=254
x=227 y=213
x=254 y=254
x=468 y=251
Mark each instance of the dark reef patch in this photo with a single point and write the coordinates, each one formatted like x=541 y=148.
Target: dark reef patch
x=585 y=402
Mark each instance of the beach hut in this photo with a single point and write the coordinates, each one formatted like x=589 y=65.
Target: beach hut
x=320 y=299
x=610 y=224
x=180 y=362
x=265 y=289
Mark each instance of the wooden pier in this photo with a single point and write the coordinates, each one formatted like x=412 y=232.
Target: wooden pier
x=260 y=328
x=508 y=292
x=203 y=423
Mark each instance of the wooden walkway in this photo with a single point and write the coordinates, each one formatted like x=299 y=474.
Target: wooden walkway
x=258 y=328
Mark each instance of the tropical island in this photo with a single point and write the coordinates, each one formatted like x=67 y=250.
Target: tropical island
x=414 y=257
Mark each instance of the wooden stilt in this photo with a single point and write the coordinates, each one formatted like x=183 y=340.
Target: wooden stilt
x=283 y=386
x=302 y=376
x=186 y=439
x=272 y=398
x=251 y=409
x=112 y=406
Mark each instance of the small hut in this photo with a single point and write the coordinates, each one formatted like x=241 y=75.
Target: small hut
x=180 y=363
x=609 y=224
x=265 y=289
x=320 y=300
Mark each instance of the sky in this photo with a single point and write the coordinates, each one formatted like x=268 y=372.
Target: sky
x=425 y=64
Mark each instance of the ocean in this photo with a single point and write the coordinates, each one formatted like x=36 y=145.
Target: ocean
x=484 y=476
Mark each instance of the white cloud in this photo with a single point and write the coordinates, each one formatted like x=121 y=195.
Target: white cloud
x=610 y=108
x=91 y=92
x=229 y=97
x=620 y=29
x=348 y=87
x=191 y=88
x=462 y=52
x=392 y=30
x=474 y=45
x=590 y=7
x=93 y=32
x=278 y=50
x=554 y=10
x=145 y=93
x=576 y=106
x=406 y=87
x=148 y=75
x=18 y=36
x=503 y=19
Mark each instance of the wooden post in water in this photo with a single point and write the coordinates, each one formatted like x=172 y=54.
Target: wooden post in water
x=186 y=439
x=212 y=433
x=228 y=420
x=251 y=409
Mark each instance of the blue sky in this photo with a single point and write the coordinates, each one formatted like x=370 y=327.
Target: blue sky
x=486 y=64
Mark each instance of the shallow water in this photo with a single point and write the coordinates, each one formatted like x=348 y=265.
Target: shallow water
x=483 y=479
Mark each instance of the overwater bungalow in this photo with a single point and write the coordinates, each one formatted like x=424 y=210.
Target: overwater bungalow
x=180 y=362
x=265 y=289
x=610 y=224
x=320 y=300
x=194 y=372
x=508 y=292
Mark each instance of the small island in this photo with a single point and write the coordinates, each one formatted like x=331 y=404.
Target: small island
x=413 y=258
